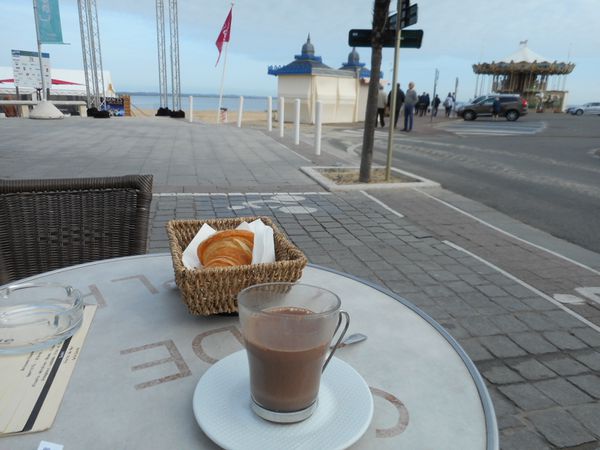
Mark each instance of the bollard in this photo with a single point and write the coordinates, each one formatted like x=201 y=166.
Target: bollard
x=223 y=115
x=269 y=113
x=191 y=109
x=240 y=112
x=318 y=118
x=297 y=123
x=281 y=109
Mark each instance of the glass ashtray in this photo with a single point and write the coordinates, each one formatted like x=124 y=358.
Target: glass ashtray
x=34 y=316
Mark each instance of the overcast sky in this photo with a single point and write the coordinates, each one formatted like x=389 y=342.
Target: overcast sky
x=265 y=32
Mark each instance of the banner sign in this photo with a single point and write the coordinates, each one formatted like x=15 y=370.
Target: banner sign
x=115 y=106
x=26 y=69
x=50 y=31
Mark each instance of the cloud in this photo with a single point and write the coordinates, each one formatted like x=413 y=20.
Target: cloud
x=457 y=34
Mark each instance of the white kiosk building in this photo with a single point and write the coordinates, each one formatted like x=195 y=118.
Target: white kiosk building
x=343 y=92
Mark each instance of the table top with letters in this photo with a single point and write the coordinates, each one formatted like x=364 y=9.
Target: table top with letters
x=133 y=384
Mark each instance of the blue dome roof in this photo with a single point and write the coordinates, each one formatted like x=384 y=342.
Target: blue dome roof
x=308 y=49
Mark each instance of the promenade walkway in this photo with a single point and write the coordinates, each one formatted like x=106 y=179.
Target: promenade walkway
x=492 y=282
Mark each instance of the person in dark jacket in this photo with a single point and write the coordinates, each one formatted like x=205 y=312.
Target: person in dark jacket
x=420 y=106
x=426 y=101
x=399 y=102
x=435 y=104
x=496 y=108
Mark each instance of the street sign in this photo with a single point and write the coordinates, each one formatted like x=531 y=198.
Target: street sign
x=408 y=38
x=408 y=17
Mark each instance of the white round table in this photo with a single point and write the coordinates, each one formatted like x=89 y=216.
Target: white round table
x=132 y=387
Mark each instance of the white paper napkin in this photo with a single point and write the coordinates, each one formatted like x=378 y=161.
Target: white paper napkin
x=263 y=250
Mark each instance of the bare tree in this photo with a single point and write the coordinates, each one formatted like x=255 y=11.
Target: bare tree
x=380 y=15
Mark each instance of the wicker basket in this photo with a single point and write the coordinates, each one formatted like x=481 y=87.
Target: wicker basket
x=214 y=290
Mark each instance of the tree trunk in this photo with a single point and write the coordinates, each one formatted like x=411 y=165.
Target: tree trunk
x=380 y=16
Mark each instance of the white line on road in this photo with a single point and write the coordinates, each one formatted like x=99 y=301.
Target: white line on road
x=379 y=202
x=528 y=286
x=500 y=230
x=492 y=133
x=295 y=153
x=232 y=194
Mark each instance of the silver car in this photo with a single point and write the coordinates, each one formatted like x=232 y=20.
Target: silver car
x=588 y=108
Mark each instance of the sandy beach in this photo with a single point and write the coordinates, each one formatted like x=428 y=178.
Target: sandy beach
x=211 y=116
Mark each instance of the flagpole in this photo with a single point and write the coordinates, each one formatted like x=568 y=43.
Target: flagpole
x=39 y=46
x=222 y=81
x=223 y=78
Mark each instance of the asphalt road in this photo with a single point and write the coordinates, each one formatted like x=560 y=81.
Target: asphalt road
x=549 y=179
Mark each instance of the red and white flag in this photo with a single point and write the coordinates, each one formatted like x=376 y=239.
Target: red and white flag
x=224 y=34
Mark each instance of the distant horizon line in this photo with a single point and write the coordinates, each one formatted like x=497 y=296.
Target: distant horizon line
x=156 y=94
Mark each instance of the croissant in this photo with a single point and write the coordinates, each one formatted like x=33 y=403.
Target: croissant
x=227 y=248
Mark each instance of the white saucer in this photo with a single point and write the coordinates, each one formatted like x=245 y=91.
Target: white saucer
x=222 y=409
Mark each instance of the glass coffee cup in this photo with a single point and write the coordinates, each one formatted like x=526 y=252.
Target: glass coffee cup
x=288 y=329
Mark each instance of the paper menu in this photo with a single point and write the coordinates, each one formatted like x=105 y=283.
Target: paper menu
x=34 y=384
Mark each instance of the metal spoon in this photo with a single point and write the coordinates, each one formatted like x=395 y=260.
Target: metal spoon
x=352 y=339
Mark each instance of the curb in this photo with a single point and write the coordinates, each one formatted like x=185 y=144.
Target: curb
x=331 y=186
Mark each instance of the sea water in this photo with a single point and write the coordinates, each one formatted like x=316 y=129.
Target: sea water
x=204 y=102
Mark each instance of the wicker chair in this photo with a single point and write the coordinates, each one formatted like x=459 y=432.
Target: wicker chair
x=54 y=223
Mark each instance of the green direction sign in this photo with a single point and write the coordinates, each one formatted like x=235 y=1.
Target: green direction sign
x=408 y=17
x=408 y=38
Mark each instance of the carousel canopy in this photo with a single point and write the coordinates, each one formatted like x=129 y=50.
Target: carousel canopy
x=524 y=60
x=524 y=54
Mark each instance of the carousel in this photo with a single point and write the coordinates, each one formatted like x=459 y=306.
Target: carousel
x=540 y=81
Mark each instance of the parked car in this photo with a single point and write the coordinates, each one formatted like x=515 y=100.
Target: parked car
x=588 y=108
x=511 y=107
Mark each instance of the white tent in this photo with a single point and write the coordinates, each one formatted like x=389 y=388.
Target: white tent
x=64 y=82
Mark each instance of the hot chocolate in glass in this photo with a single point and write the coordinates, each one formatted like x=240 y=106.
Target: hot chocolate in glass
x=288 y=329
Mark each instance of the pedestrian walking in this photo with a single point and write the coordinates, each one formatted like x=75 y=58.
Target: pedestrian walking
x=421 y=105
x=448 y=102
x=399 y=102
x=426 y=102
x=496 y=108
x=435 y=104
x=410 y=100
x=381 y=103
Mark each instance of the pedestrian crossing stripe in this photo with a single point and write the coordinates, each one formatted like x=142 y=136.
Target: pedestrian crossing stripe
x=479 y=129
x=494 y=132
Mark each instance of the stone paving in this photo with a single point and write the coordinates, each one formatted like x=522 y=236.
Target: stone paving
x=183 y=157
x=557 y=277
x=541 y=364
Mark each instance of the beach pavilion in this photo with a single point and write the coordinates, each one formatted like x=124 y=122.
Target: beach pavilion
x=541 y=81
x=343 y=92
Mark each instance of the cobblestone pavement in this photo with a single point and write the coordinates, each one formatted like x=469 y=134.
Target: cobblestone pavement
x=541 y=364
x=182 y=157
x=575 y=285
x=503 y=299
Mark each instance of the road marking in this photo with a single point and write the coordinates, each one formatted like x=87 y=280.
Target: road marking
x=500 y=230
x=593 y=293
x=285 y=203
x=493 y=129
x=493 y=133
x=232 y=194
x=295 y=153
x=380 y=203
x=569 y=299
x=526 y=285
